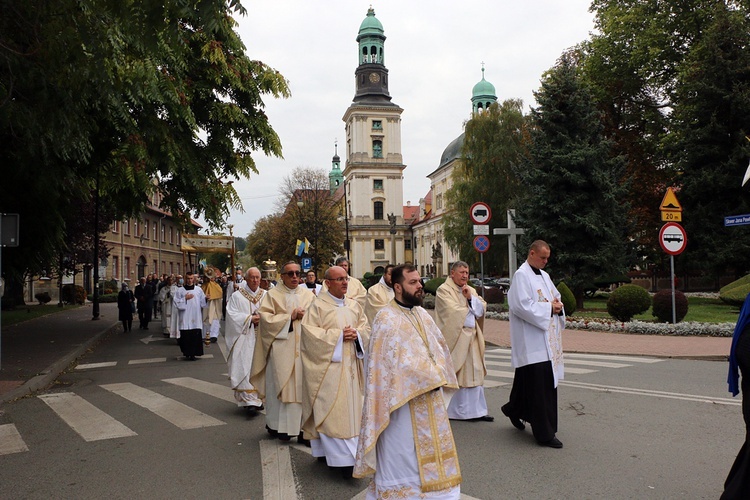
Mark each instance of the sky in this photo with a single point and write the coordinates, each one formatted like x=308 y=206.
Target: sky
x=434 y=53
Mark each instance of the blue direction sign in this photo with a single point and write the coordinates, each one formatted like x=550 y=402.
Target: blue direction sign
x=481 y=243
x=737 y=220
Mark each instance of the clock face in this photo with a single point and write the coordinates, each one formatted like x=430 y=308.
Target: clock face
x=374 y=77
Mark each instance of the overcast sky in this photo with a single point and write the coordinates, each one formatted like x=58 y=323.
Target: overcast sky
x=433 y=51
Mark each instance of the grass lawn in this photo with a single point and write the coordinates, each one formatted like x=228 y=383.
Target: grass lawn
x=31 y=311
x=699 y=309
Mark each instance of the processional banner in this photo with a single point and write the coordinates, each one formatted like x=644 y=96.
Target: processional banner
x=207 y=243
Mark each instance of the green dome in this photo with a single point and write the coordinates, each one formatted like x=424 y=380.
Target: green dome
x=371 y=25
x=483 y=88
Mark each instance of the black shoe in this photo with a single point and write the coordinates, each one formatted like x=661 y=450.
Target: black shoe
x=303 y=441
x=485 y=418
x=214 y=339
x=283 y=436
x=321 y=459
x=513 y=420
x=552 y=443
x=272 y=432
x=346 y=472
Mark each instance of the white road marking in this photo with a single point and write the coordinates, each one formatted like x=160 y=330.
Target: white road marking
x=576 y=371
x=278 y=476
x=488 y=384
x=216 y=390
x=505 y=353
x=170 y=410
x=91 y=423
x=602 y=364
x=496 y=373
x=145 y=361
x=10 y=440
x=652 y=393
x=87 y=366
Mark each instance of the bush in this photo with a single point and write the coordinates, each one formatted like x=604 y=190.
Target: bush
x=492 y=295
x=662 y=305
x=429 y=302
x=735 y=292
x=107 y=298
x=73 y=294
x=42 y=297
x=627 y=301
x=567 y=298
x=432 y=285
x=109 y=287
x=495 y=308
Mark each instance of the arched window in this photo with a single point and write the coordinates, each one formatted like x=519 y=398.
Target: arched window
x=377 y=149
x=378 y=210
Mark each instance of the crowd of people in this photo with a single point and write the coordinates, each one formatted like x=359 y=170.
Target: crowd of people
x=367 y=378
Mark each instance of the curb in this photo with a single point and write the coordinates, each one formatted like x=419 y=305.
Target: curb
x=54 y=370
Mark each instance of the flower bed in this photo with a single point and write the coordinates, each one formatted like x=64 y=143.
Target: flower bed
x=641 y=327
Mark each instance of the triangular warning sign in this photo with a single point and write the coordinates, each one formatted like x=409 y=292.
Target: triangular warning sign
x=670 y=202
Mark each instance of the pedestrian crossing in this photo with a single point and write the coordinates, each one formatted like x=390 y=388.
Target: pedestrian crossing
x=92 y=423
x=132 y=362
x=575 y=364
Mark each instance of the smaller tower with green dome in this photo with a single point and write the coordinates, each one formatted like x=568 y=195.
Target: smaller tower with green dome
x=482 y=95
x=336 y=176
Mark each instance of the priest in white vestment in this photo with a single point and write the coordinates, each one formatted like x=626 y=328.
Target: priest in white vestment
x=190 y=301
x=277 y=367
x=166 y=296
x=311 y=282
x=241 y=322
x=537 y=319
x=334 y=341
x=174 y=326
x=379 y=295
x=459 y=313
x=356 y=290
x=406 y=439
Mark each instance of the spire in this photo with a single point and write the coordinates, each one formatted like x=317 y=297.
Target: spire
x=371 y=74
x=482 y=95
x=335 y=177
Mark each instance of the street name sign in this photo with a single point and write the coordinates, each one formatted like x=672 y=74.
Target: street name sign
x=737 y=220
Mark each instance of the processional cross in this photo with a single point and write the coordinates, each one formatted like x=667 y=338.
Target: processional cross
x=512 y=232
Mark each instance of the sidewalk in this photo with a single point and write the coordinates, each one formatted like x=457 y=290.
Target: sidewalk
x=35 y=352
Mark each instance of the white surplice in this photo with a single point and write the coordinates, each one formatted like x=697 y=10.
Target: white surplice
x=240 y=337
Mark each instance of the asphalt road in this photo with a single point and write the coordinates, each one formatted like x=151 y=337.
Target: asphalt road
x=167 y=428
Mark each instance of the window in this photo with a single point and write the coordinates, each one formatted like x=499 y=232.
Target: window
x=407 y=244
x=379 y=244
x=126 y=226
x=156 y=267
x=171 y=268
x=163 y=266
x=115 y=267
x=154 y=231
x=378 y=210
x=171 y=236
x=135 y=228
x=377 y=125
x=377 y=149
x=178 y=268
x=377 y=184
x=145 y=229
x=127 y=268
x=115 y=226
x=163 y=234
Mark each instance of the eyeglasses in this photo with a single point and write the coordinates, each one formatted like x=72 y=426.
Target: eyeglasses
x=292 y=274
x=339 y=280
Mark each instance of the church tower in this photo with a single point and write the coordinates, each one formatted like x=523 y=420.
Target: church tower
x=335 y=176
x=374 y=165
x=482 y=95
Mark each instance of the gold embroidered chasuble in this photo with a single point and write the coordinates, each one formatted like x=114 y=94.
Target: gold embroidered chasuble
x=332 y=392
x=466 y=344
x=408 y=360
x=356 y=291
x=241 y=334
x=277 y=341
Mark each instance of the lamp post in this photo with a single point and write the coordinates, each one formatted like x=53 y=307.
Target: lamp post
x=231 y=256
x=347 y=243
x=95 y=306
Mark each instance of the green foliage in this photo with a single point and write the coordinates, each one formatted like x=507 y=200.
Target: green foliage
x=432 y=285
x=42 y=297
x=567 y=298
x=662 y=305
x=108 y=297
x=369 y=279
x=627 y=301
x=73 y=294
x=110 y=286
x=575 y=200
x=131 y=92
x=710 y=121
x=735 y=292
x=494 y=141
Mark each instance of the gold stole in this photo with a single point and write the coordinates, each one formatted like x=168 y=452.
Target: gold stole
x=433 y=439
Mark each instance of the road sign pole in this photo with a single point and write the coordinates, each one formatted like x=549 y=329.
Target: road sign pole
x=481 y=270
x=674 y=311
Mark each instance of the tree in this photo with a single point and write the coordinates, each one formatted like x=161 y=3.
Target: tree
x=131 y=92
x=266 y=241
x=494 y=142
x=574 y=198
x=708 y=141
x=310 y=212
